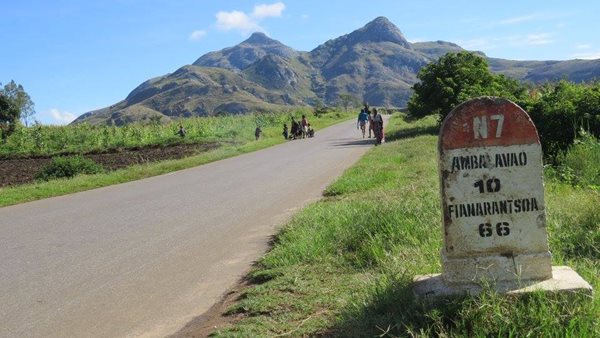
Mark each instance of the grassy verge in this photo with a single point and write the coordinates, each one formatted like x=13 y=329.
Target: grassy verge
x=344 y=265
x=241 y=144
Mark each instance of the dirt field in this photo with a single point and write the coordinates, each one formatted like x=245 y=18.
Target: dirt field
x=23 y=170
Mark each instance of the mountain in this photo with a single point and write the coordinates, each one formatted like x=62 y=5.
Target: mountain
x=375 y=64
x=257 y=46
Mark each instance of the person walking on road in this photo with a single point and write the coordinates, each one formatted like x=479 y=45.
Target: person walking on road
x=370 y=119
x=363 y=117
x=377 y=126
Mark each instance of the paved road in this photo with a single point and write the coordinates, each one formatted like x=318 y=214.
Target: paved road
x=144 y=258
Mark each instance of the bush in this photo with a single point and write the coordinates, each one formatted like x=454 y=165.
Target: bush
x=455 y=78
x=580 y=165
x=61 y=167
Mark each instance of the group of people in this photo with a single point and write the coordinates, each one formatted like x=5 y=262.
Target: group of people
x=300 y=129
x=303 y=129
x=375 y=122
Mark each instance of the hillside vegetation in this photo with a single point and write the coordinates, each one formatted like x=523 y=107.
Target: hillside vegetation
x=344 y=266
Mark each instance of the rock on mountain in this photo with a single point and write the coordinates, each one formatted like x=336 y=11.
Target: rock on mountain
x=238 y=57
x=375 y=64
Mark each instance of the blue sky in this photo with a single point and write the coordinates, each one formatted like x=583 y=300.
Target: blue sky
x=76 y=56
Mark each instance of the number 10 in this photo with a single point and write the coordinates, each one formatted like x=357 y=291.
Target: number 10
x=491 y=185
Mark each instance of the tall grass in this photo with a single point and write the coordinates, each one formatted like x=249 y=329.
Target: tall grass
x=84 y=138
x=579 y=164
x=344 y=265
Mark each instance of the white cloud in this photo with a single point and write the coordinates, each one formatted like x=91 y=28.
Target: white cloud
x=265 y=11
x=197 y=35
x=584 y=46
x=587 y=56
x=237 y=20
x=60 y=117
x=248 y=23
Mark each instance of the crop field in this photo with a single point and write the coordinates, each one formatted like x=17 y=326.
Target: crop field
x=85 y=138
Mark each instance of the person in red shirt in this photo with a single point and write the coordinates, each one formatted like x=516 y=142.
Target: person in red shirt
x=304 y=124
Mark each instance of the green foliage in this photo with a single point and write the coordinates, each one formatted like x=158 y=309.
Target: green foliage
x=9 y=115
x=67 y=167
x=320 y=109
x=579 y=165
x=20 y=99
x=573 y=220
x=559 y=110
x=455 y=78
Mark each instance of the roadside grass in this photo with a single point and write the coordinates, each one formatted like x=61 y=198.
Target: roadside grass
x=231 y=143
x=344 y=266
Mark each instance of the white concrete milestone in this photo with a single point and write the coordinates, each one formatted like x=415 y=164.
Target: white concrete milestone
x=494 y=216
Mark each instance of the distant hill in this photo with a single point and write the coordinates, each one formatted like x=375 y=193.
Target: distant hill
x=375 y=64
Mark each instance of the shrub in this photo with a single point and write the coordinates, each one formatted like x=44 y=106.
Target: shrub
x=580 y=165
x=61 y=167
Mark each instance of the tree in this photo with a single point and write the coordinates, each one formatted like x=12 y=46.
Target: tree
x=347 y=100
x=319 y=108
x=20 y=99
x=455 y=78
x=9 y=115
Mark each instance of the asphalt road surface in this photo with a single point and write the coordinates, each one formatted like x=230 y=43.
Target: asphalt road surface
x=146 y=257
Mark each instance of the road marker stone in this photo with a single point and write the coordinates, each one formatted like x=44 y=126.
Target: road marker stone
x=493 y=210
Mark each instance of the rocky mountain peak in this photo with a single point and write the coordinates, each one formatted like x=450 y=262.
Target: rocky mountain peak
x=380 y=30
x=245 y=53
x=260 y=38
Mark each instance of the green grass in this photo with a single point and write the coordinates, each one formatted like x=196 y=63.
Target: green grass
x=344 y=266
x=579 y=164
x=231 y=145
